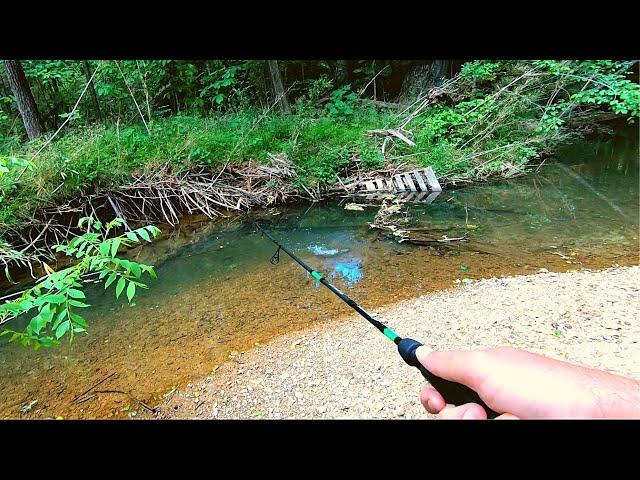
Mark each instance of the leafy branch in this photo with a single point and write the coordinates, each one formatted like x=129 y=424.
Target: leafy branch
x=54 y=302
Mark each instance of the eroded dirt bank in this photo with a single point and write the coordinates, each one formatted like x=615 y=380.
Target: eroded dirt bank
x=346 y=369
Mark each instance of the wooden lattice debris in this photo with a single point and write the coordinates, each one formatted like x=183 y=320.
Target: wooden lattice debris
x=417 y=185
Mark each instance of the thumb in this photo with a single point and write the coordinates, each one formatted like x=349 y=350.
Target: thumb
x=468 y=367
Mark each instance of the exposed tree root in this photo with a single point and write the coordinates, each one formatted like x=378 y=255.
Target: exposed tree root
x=157 y=196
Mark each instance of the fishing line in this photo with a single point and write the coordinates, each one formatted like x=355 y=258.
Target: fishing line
x=452 y=392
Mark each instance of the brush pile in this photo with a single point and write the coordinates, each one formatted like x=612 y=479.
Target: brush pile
x=158 y=196
x=164 y=196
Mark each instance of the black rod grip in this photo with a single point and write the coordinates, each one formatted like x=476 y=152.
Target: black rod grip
x=452 y=392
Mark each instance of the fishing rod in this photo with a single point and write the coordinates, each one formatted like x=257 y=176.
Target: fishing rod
x=452 y=392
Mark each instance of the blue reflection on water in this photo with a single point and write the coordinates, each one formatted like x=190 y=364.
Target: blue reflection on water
x=349 y=270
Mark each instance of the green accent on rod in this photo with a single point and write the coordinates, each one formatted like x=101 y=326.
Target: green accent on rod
x=390 y=334
x=316 y=275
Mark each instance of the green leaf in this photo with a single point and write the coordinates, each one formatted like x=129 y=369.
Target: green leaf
x=51 y=298
x=132 y=236
x=62 y=328
x=135 y=269
x=73 y=293
x=143 y=233
x=131 y=291
x=115 y=244
x=47 y=341
x=110 y=280
x=61 y=316
x=153 y=230
x=36 y=324
x=104 y=249
x=78 y=320
x=47 y=313
x=76 y=303
x=120 y=287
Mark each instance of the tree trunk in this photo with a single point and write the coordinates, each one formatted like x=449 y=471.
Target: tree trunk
x=278 y=89
x=342 y=72
x=94 y=96
x=423 y=76
x=24 y=98
x=5 y=85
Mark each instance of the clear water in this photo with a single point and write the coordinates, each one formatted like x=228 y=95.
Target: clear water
x=217 y=291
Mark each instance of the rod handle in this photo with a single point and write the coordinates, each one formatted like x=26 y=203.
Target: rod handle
x=452 y=392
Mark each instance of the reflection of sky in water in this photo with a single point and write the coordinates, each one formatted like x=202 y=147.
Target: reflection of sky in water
x=350 y=270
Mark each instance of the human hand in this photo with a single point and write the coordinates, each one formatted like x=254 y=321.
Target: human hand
x=520 y=384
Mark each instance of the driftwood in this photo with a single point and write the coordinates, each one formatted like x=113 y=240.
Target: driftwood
x=163 y=195
x=417 y=236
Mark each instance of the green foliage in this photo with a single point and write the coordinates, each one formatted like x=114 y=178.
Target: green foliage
x=9 y=163
x=496 y=117
x=483 y=70
x=601 y=83
x=54 y=302
x=106 y=157
x=318 y=87
x=341 y=100
x=9 y=168
x=504 y=114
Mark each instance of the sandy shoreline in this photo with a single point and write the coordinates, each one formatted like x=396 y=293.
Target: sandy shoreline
x=344 y=368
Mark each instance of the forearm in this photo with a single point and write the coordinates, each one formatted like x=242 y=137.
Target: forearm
x=617 y=397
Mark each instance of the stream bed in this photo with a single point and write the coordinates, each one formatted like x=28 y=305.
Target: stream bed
x=217 y=292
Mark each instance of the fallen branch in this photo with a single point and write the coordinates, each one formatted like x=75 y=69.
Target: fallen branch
x=390 y=132
x=93 y=386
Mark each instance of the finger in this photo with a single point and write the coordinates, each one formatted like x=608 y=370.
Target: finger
x=468 y=411
x=463 y=366
x=507 y=416
x=432 y=400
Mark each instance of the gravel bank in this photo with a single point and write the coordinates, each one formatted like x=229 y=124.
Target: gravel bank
x=346 y=369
